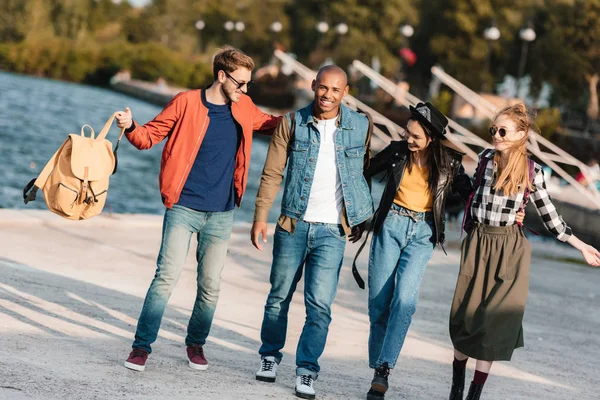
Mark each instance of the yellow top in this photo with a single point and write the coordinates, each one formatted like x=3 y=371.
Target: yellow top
x=413 y=192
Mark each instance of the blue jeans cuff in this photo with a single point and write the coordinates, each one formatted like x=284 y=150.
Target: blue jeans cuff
x=305 y=371
x=277 y=359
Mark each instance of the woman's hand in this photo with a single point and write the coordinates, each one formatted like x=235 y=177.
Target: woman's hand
x=591 y=255
x=520 y=217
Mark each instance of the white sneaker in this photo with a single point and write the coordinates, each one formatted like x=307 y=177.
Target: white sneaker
x=268 y=370
x=304 y=387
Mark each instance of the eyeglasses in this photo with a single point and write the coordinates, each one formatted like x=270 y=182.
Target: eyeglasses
x=501 y=131
x=240 y=85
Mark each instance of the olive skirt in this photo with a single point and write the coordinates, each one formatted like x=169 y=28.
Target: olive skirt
x=491 y=292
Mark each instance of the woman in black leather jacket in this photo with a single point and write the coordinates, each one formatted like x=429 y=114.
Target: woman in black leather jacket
x=409 y=222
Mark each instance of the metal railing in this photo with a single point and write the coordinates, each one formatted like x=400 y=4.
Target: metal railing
x=551 y=159
x=396 y=131
x=460 y=140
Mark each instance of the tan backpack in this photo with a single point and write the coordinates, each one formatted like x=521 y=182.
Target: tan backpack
x=75 y=180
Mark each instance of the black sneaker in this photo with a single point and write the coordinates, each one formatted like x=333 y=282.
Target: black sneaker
x=375 y=395
x=380 y=379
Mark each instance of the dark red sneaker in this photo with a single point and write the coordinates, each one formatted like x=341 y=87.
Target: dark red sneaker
x=137 y=360
x=196 y=356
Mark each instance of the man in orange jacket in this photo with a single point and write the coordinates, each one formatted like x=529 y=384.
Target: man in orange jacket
x=203 y=175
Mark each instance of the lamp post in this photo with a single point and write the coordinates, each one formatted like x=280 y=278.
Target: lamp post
x=200 y=25
x=407 y=30
x=341 y=28
x=490 y=34
x=239 y=28
x=527 y=35
x=275 y=28
x=322 y=28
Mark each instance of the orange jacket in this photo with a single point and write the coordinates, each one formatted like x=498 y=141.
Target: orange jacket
x=185 y=121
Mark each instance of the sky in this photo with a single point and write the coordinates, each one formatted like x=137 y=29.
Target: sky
x=139 y=2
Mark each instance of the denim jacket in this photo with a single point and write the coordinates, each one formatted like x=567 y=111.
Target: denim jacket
x=350 y=150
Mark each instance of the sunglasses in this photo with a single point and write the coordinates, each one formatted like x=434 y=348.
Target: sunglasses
x=501 y=131
x=240 y=85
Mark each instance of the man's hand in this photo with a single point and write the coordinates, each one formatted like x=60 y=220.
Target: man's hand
x=520 y=217
x=124 y=118
x=356 y=232
x=258 y=228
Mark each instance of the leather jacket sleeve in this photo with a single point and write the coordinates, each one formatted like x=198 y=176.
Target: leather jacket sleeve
x=379 y=162
x=461 y=183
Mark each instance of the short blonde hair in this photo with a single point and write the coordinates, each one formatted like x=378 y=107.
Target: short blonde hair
x=229 y=59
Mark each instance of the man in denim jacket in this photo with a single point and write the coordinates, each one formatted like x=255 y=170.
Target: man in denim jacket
x=325 y=197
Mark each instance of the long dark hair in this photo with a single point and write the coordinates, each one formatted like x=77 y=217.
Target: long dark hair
x=438 y=161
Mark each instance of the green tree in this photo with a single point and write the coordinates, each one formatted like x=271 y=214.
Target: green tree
x=373 y=31
x=451 y=34
x=567 y=53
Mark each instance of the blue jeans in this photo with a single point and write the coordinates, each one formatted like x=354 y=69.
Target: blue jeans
x=213 y=230
x=399 y=254
x=319 y=248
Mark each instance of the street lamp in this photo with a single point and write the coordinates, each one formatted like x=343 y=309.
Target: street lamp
x=490 y=34
x=527 y=35
x=276 y=26
x=407 y=31
x=341 y=28
x=322 y=27
x=200 y=25
x=229 y=26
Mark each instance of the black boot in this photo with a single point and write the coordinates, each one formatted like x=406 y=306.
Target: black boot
x=379 y=384
x=375 y=395
x=458 y=383
x=475 y=391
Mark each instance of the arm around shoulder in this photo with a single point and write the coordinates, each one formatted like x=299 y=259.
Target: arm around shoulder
x=380 y=161
x=272 y=174
x=262 y=122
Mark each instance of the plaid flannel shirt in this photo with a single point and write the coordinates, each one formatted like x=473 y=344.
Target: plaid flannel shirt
x=495 y=209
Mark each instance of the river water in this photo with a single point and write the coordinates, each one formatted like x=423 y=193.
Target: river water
x=36 y=115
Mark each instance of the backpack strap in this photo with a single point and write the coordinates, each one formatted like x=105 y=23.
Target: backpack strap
x=104 y=132
x=479 y=172
x=292 y=119
x=367 y=160
x=359 y=280
x=531 y=176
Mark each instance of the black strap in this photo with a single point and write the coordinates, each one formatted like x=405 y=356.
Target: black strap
x=116 y=157
x=359 y=280
x=292 y=116
x=368 y=140
x=32 y=189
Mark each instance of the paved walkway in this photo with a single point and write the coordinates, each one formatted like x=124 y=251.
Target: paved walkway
x=70 y=294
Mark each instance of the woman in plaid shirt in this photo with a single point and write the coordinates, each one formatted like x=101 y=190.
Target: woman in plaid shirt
x=491 y=291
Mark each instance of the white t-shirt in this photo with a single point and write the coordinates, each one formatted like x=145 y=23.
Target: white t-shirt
x=326 y=198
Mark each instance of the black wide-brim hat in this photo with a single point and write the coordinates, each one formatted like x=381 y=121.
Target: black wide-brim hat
x=431 y=118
